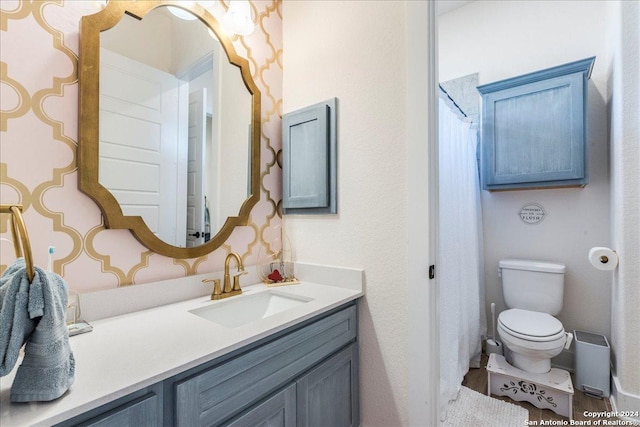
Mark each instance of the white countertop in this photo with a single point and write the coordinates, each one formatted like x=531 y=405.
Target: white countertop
x=132 y=351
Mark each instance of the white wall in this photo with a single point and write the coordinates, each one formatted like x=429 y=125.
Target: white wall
x=191 y=41
x=149 y=43
x=505 y=39
x=356 y=51
x=624 y=33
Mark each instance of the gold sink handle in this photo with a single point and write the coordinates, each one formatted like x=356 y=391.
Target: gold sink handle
x=236 y=280
x=217 y=291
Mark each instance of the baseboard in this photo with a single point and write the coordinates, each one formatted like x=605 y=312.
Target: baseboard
x=622 y=401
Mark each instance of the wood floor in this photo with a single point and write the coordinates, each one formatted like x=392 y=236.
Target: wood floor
x=476 y=379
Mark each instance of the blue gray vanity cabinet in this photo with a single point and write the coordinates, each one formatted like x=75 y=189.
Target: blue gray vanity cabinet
x=309 y=168
x=213 y=395
x=326 y=396
x=305 y=375
x=533 y=132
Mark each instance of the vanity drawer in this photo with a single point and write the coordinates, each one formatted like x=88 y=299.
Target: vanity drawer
x=213 y=396
x=140 y=409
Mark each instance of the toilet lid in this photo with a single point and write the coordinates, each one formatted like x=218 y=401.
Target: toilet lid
x=533 y=325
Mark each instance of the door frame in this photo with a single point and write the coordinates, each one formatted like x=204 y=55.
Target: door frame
x=423 y=364
x=196 y=165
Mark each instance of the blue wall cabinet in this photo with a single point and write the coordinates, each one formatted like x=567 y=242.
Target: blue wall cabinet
x=533 y=132
x=309 y=169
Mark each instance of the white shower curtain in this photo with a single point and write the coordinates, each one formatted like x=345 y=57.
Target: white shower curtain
x=460 y=266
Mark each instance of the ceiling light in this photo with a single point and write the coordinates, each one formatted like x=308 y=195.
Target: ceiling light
x=182 y=13
x=187 y=15
x=238 y=20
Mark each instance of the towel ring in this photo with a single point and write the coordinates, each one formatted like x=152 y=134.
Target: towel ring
x=21 y=242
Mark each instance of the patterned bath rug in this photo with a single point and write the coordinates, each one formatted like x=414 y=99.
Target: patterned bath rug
x=474 y=409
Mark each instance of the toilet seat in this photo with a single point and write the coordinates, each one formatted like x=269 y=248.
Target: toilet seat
x=531 y=325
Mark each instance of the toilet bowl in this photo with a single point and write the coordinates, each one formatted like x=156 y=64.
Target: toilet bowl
x=532 y=337
x=533 y=292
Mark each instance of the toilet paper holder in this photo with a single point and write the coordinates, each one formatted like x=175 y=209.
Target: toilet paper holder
x=603 y=258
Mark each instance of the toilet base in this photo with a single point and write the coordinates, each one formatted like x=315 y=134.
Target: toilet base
x=530 y=364
x=552 y=390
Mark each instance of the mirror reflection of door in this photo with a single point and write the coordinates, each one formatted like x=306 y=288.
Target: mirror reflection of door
x=140 y=126
x=195 y=168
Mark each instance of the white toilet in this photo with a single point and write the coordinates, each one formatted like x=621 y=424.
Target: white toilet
x=533 y=291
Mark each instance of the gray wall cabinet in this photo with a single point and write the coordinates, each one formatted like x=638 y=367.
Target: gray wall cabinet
x=306 y=375
x=533 y=132
x=309 y=169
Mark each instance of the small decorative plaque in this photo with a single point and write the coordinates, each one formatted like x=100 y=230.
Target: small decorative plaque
x=532 y=213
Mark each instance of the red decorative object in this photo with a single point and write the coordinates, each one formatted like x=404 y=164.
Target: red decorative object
x=275 y=276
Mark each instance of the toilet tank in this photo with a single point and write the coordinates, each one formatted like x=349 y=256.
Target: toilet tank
x=532 y=285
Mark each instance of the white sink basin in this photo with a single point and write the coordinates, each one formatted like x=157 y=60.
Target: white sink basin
x=243 y=309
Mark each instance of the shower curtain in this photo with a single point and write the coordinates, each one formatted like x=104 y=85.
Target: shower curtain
x=460 y=267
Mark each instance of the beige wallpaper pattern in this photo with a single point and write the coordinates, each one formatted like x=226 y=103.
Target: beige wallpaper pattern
x=38 y=140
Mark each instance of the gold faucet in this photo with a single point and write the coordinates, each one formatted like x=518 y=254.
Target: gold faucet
x=227 y=290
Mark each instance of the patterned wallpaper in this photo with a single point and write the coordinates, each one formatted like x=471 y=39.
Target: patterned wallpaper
x=38 y=141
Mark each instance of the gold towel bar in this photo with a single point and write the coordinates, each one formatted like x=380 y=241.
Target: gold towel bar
x=20 y=237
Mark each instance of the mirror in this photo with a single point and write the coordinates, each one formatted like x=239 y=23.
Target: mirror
x=169 y=131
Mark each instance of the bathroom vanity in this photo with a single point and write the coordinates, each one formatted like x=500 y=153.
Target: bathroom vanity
x=293 y=377
x=170 y=365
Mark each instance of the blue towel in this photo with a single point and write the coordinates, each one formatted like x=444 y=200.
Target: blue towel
x=36 y=314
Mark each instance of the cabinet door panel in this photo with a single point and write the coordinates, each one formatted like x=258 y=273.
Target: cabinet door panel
x=328 y=394
x=277 y=411
x=305 y=158
x=141 y=412
x=536 y=132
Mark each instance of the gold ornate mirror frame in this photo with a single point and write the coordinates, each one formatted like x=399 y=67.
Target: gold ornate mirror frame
x=88 y=126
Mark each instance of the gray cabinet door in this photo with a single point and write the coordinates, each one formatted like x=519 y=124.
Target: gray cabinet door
x=306 y=158
x=309 y=169
x=277 y=411
x=533 y=129
x=328 y=394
